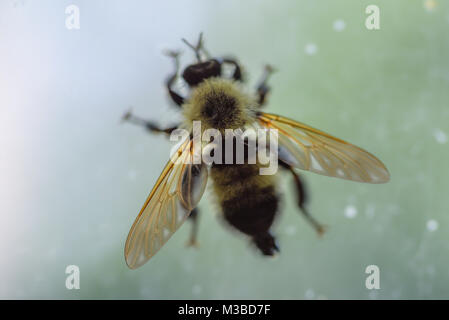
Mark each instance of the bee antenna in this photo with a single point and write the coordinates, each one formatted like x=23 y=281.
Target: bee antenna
x=197 y=48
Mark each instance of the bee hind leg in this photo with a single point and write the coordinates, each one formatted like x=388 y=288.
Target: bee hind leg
x=192 y=241
x=302 y=199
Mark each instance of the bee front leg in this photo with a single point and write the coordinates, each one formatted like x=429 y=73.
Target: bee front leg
x=177 y=99
x=192 y=242
x=149 y=125
x=263 y=89
x=302 y=199
x=237 y=74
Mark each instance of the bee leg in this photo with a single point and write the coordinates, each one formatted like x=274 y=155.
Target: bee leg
x=192 y=242
x=177 y=99
x=263 y=88
x=149 y=125
x=302 y=199
x=237 y=75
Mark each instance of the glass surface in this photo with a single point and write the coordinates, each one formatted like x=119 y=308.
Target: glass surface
x=72 y=178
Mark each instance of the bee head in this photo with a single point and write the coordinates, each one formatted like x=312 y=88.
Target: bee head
x=196 y=73
x=219 y=104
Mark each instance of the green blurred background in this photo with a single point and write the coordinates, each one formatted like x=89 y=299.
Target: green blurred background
x=72 y=179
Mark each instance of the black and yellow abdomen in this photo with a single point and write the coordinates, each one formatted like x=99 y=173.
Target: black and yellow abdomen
x=248 y=201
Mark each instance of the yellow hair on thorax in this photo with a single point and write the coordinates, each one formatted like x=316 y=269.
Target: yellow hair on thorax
x=214 y=88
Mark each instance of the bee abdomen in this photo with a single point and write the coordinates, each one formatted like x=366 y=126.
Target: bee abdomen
x=249 y=202
x=252 y=211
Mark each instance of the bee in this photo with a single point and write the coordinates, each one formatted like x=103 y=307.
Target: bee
x=249 y=201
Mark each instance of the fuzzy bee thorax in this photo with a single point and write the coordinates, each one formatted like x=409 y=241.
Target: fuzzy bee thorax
x=219 y=104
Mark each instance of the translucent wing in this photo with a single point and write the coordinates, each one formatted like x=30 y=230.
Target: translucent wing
x=310 y=149
x=176 y=193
